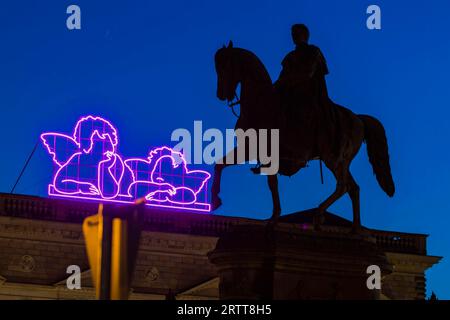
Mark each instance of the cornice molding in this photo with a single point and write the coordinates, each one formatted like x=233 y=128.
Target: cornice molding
x=411 y=263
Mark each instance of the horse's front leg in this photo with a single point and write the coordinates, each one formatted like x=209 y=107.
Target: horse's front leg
x=273 y=185
x=216 y=202
x=226 y=161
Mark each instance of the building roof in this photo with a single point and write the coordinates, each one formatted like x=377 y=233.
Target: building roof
x=210 y=225
x=307 y=216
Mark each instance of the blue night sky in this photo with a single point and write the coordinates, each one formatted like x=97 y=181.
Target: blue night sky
x=148 y=67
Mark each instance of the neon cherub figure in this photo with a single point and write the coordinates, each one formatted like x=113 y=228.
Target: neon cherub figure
x=165 y=167
x=88 y=166
x=88 y=162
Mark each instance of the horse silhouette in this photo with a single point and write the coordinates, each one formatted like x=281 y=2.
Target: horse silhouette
x=299 y=140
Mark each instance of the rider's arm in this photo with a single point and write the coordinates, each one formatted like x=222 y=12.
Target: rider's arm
x=319 y=64
x=321 y=70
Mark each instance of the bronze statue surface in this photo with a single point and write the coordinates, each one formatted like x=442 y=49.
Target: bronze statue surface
x=311 y=126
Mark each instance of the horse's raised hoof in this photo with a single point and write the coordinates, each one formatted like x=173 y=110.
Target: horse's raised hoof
x=216 y=202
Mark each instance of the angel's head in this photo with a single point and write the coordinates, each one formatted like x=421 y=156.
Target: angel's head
x=163 y=157
x=170 y=166
x=92 y=130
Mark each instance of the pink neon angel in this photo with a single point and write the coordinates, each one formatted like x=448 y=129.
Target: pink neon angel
x=167 y=169
x=89 y=167
x=87 y=161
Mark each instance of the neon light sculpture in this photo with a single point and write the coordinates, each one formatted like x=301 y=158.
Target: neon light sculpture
x=88 y=166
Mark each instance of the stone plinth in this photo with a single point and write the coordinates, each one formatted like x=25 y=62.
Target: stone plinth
x=264 y=262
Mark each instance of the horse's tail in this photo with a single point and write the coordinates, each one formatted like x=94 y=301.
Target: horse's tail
x=377 y=149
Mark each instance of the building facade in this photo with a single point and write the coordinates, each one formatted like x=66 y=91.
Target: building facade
x=41 y=237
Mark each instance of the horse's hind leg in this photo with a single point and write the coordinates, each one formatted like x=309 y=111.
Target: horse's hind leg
x=273 y=185
x=353 y=192
x=341 y=173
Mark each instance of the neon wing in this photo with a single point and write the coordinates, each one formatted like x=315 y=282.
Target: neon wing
x=60 y=146
x=197 y=179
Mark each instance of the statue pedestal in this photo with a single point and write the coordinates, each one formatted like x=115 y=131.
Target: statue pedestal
x=286 y=262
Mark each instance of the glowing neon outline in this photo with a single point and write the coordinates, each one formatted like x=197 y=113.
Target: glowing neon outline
x=96 y=195
x=109 y=170
x=77 y=131
x=149 y=161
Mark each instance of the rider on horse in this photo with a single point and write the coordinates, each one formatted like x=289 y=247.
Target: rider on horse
x=302 y=89
x=302 y=64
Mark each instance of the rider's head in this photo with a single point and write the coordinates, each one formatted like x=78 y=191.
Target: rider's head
x=300 y=33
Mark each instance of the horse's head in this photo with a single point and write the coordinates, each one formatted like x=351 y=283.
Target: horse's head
x=228 y=72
